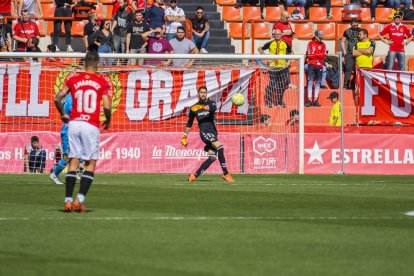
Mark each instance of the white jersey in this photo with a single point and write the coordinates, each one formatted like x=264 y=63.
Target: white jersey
x=172 y=25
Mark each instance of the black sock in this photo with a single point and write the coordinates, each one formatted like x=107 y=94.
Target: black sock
x=70 y=183
x=210 y=160
x=222 y=159
x=86 y=181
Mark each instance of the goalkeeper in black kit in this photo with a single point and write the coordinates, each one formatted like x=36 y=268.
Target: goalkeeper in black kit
x=204 y=111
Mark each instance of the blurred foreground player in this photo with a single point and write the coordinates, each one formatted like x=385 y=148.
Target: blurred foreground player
x=88 y=89
x=204 y=111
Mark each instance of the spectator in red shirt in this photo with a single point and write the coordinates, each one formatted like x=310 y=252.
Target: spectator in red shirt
x=284 y=26
x=315 y=54
x=24 y=32
x=397 y=32
x=8 y=8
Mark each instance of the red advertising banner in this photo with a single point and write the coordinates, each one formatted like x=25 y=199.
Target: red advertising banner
x=149 y=152
x=142 y=100
x=385 y=97
x=363 y=153
x=127 y=152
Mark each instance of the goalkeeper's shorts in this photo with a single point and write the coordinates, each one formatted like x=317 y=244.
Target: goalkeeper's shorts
x=208 y=138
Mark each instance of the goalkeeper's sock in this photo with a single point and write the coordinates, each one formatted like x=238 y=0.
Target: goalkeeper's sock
x=70 y=183
x=86 y=181
x=60 y=167
x=222 y=159
x=210 y=160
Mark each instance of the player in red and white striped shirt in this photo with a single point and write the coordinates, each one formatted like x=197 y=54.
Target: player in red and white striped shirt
x=87 y=89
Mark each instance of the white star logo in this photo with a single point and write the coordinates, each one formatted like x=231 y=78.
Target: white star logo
x=315 y=153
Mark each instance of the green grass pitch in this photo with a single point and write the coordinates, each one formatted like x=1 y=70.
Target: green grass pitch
x=162 y=225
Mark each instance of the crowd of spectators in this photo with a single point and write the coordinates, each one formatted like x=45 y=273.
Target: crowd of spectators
x=133 y=29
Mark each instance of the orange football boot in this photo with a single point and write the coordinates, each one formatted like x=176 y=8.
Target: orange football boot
x=192 y=178
x=81 y=208
x=68 y=207
x=228 y=178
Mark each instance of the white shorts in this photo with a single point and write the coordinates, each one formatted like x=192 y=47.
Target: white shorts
x=83 y=140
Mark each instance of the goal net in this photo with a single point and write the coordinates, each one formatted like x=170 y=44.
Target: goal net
x=150 y=106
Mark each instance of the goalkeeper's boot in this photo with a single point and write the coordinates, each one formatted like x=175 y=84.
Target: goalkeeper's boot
x=68 y=207
x=192 y=178
x=79 y=207
x=228 y=178
x=56 y=179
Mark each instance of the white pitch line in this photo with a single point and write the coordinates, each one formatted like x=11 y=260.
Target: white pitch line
x=253 y=184
x=411 y=214
x=278 y=218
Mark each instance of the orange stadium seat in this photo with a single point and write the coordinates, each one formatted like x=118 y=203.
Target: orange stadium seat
x=411 y=64
x=317 y=13
x=273 y=13
x=336 y=3
x=341 y=29
x=304 y=31
x=40 y=25
x=48 y=10
x=107 y=2
x=231 y=14
x=261 y=30
x=77 y=28
x=328 y=30
x=373 y=30
x=235 y=30
x=336 y=13
x=365 y=14
x=225 y=2
x=108 y=14
x=251 y=13
x=46 y=1
x=382 y=13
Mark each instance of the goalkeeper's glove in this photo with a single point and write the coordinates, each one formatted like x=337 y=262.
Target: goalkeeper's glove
x=184 y=140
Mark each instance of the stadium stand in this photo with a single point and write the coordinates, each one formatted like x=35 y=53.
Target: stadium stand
x=304 y=31
x=48 y=11
x=231 y=14
x=225 y=2
x=317 y=13
x=273 y=13
x=373 y=30
x=261 y=30
x=328 y=30
x=235 y=30
x=251 y=13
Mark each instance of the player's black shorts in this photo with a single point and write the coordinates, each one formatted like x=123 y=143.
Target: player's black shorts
x=208 y=138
